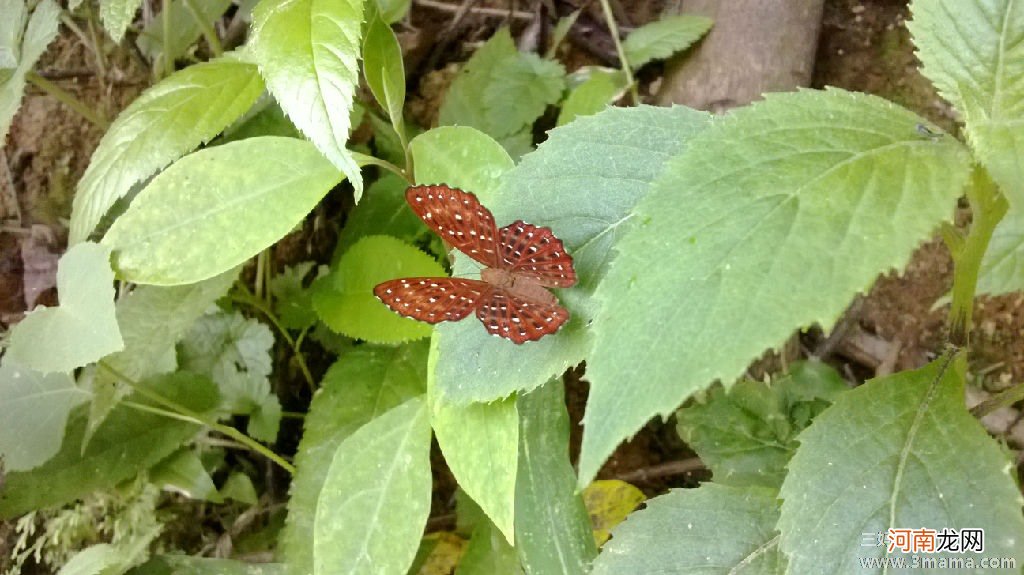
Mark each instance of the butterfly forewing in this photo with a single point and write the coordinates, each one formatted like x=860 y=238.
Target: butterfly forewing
x=433 y=300
x=459 y=218
x=516 y=319
x=534 y=251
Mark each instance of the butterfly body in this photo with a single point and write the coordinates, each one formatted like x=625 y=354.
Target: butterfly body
x=521 y=260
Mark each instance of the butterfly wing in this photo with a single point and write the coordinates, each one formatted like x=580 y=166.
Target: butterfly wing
x=534 y=251
x=459 y=218
x=433 y=300
x=514 y=318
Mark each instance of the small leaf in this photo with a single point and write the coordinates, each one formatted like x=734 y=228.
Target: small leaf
x=186 y=109
x=461 y=157
x=184 y=473
x=308 y=52
x=41 y=30
x=392 y=11
x=367 y=382
x=608 y=502
x=595 y=93
x=713 y=529
x=239 y=487
x=11 y=28
x=382 y=211
x=384 y=70
x=254 y=191
x=519 y=91
x=293 y=302
x=663 y=38
x=117 y=15
x=553 y=533
x=899 y=451
x=463 y=104
x=83 y=328
x=1002 y=267
x=344 y=298
x=185 y=26
x=34 y=408
x=376 y=496
x=129 y=441
x=834 y=185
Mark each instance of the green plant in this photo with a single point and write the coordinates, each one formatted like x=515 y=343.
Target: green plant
x=698 y=242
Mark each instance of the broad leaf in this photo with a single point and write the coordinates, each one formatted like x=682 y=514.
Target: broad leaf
x=308 y=52
x=34 y=408
x=83 y=328
x=41 y=30
x=461 y=157
x=662 y=38
x=357 y=389
x=189 y=565
x=830 y=185
x=583 y=182
x=252 y=192
x=596 y=92
x=747 y=435
x=463 y=104
x=973 y=54
x=183 y=111
x=521 y=88
x=376 y=496
x=384 y=70
x=553 y=533
x=382 y=211
x=713 y=529
x=608 y=502
x=293 y=302
x=129 y=441
x=1002 y=267
x=897 y=452
x=117 y=15
x=183 y=472
x=344 y=298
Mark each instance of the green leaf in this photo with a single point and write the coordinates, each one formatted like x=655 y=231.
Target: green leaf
x=239 y=487
x=184 y=473
x=83 y=328
x=183 y=111
x=1002 y=267
x=254 y=191
x=308 y=51
x=461 y=157
x=553 y=532
x=376 y=496
x=899 y=451
x=831 y=185
x=972 y=54
x=129 y=441
x=663 y=38
x=34 y=408
x=367 y=382
x=713 y=529
x=41 y=30
x=479 y=442
x=293 y=302
x=92 y=560
x=384 y=70
x=595 y=93
x=463 y=104
x=117 y=15
x=488 y=553
x=266 y=118
x=393 y=10
x=521 y=88
x=184 y=26
x=746 y=436
x=382 y=211
x=583 y=182
x=188 y=565
x=344 y=298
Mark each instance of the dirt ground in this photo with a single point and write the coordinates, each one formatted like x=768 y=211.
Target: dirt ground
x=863 y=46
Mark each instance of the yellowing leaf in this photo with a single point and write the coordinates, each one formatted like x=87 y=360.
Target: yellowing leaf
x=608 y=502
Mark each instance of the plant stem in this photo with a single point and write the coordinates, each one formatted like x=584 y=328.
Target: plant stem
x=186 y=414
x=67 y=99
x=248 y=299
x=613 y=29
x=165 y=16
x=208 y=32
x=988 y=206
x=365 y=160
x=1004 y=398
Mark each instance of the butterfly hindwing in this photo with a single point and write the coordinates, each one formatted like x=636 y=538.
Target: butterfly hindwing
x=459 y=218
x=534 y=251
x=517 y=319
x=433 y=300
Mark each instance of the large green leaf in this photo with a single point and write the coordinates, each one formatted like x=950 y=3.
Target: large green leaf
x=357 y=389
x=713 y=529
x=250 y=194
x=1002 y=268
x=129 y=440
x=583 y=182
x=829 y=186
x=553 y=532
x=973 y=54
x=308 y=52
x=41 y=30
x=662 y=38
x=83 y=328
x=183 y=111
x=897 y=452
x=34 y=408
x=376 y=496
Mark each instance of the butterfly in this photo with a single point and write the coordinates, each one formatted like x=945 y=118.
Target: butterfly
x=521 y=260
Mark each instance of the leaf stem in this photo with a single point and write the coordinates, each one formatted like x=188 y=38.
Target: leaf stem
x=186 y=414
x=67 y=99
x=989 y=206
x=1004 y=398
x=249 y=299
x=365 y=160
x=613 y=28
